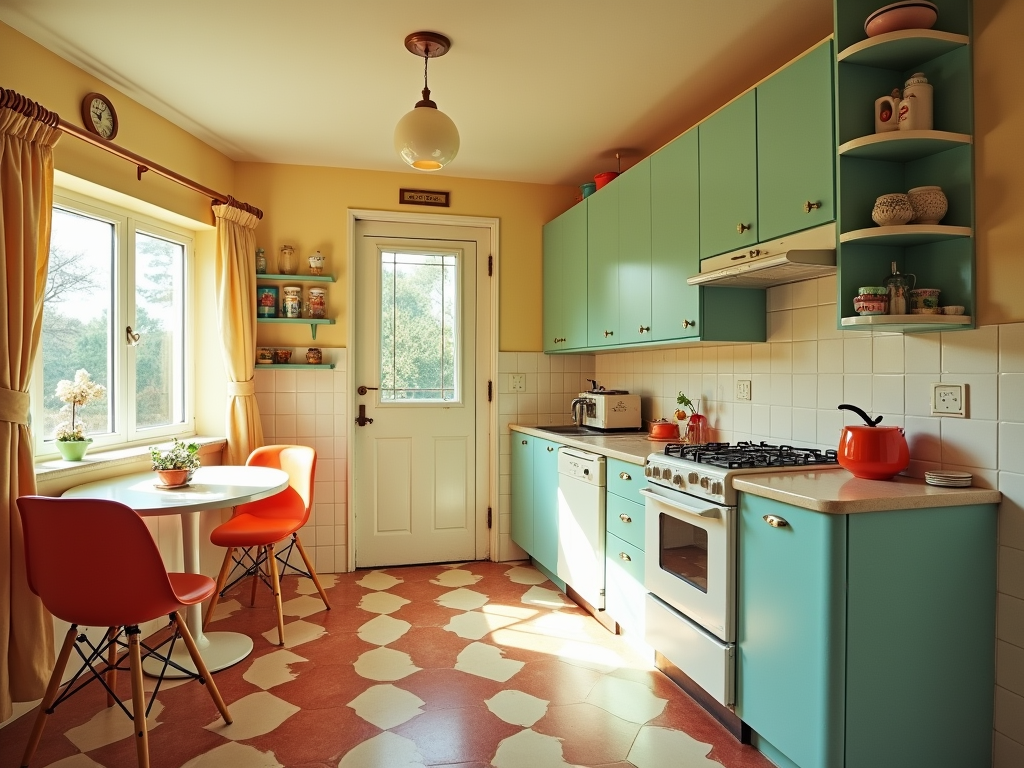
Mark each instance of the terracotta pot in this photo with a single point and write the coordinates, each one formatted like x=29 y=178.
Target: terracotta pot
x=663 y=430
x=873 y=453
x=172 y=477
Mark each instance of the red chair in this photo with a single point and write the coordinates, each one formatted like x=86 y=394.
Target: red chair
x=94 y=563
x=263 y=523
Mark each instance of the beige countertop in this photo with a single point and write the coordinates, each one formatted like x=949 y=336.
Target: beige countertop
x=837 y=492
x=631 y=448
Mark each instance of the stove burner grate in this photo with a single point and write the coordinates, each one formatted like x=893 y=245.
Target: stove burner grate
x=746 y=455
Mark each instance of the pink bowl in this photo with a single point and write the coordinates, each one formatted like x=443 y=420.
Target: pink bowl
x=906 y=15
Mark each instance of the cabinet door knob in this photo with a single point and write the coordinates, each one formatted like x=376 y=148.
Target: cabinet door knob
x=775 y=521
x=645 y=328
x=609 y=333
x=741 y=228
x=626 y=518
x=550 y=449
x=809 y=206
x=688 y=323
x=624 y=476
x=524 y=442
x=624 y=556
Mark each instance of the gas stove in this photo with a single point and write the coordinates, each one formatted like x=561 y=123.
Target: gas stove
x=705 y=470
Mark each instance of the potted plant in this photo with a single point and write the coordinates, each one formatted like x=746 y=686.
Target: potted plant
x=175 y=466
x=70 y=437
x=695 y=426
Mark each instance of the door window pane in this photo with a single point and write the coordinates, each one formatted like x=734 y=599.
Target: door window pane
x=77 y=312
x=684 y=551
x=160 y=320
x=419 y=327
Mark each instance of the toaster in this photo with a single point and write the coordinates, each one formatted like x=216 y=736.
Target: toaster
x=611 y=409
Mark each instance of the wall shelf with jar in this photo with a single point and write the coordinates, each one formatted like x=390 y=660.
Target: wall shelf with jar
x=311 y=322
x=279 y=359
x=297 y=278
x=905 y=166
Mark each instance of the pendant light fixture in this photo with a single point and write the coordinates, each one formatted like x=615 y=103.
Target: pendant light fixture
x=426 y=138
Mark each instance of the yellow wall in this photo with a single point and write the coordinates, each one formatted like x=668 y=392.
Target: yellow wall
x=308 y=207
x=999 y=161
x=44 y=77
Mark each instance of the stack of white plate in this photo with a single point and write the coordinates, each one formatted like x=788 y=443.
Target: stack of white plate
x=949 y=478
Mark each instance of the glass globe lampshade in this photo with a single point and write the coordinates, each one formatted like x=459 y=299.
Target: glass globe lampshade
x=426 y=138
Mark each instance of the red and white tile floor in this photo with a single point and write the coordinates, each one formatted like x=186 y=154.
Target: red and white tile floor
x=483 y=664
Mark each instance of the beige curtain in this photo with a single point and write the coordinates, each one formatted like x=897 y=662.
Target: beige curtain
x=27 y=136
x=236 y=311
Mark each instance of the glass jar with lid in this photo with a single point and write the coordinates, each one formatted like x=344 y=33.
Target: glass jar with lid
x=898 y=289
x=287 y=263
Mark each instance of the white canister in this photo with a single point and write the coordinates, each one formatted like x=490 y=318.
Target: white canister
x=887 y=112
x=291 y=301
x=915 y=113
x=316 y=303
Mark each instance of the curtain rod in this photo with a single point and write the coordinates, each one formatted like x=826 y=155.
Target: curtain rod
x=25 y=106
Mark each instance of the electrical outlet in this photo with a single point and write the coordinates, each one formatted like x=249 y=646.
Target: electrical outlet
x=742 y=389
x=518 y=382
x=949 y=400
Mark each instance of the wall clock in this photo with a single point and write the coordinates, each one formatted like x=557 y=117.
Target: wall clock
x=99 y=116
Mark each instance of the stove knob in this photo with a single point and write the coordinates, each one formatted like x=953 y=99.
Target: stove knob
x=705 y=482
x=692 y=478
x=716 y=489
x=677 y=480
x=648 y=471
x=657 y=472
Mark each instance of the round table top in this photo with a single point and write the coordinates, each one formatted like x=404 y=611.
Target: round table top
x=211 y=488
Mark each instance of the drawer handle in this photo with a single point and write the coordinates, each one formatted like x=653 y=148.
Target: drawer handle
x=741 y=228
x=626 y=518
x=624 y=476
x=775 y=521
x=624 y=556
x=809 y=206
x=609 y=333
x=550 y=449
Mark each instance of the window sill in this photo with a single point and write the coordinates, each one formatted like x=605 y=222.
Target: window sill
x=135 y=459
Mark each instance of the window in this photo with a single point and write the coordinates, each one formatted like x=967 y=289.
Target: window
x=111 y=271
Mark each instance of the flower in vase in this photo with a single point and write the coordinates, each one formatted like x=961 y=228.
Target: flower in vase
x=74 y=394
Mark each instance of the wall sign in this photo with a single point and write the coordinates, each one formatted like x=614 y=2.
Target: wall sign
x=424 y=197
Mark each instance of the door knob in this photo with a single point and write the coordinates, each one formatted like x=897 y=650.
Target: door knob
x=644 y=328
x=741 y=228
x=809 y=206
x=364 y=390
x=609 y=333
x=688 y=323
x=362 y=420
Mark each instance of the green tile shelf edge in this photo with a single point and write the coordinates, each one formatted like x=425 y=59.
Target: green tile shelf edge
x=298 y=278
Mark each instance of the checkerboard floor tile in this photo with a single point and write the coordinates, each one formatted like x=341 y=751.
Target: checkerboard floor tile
x=480 y=664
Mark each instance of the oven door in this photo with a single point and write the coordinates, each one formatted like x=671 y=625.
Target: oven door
x=690 y=562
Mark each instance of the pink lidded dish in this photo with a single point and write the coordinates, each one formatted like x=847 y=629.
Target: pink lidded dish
x=910 y=14
x=871 y=304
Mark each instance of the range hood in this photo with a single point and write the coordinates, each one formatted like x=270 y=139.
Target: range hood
x=801 y=256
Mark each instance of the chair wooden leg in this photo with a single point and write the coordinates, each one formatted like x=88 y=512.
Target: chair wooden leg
x=138 y=698
x=312 y=572
x=275 y=581
x=204 y=673
x=112 y=634
x=255 y=577
x=50 y=695
x=222 y=577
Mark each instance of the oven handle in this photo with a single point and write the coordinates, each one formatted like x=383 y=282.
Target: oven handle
x=708 y=512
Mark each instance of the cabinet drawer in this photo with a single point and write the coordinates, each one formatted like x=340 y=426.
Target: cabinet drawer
x=627 y=557
x=625 y=520
x=626 y=480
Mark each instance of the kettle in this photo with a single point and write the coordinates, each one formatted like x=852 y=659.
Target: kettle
x=872 y=452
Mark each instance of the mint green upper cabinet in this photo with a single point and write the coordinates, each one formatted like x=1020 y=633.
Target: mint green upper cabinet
x=796 y=146
x=675 y=239
x=603 y=267
x=565 y=284
x=728 y=177
x=635 y=254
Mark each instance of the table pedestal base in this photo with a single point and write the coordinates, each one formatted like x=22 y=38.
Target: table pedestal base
x=225 y=649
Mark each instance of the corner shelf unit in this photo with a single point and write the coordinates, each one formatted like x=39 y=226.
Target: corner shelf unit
x=872 y=164
x=311 y=322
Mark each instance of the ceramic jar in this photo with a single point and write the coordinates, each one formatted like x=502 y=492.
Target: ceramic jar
x=282 y=356
x=314 y=356
x=887 y=112
x=925 y=301
x=261 y=262
x=316 y=303
x=892 y=210
x=316 y=263
x=266 y=301
x=916 y=108
x=929 y=204
x=291 y=301
x=871 y=304
x=286 y=261
x=264 y=355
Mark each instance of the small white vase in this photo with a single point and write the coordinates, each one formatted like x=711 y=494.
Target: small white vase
x=929 y=204
x=892 y=210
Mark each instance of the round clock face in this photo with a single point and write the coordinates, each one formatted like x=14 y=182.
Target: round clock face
x=99 y=116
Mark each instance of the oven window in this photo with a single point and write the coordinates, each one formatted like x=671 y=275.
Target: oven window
x=684 y=551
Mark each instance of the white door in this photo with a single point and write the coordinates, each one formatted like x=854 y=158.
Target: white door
x=422 y=319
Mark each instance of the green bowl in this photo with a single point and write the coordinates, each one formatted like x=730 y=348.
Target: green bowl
x=873 y=290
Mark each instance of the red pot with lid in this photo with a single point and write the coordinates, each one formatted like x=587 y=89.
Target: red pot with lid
x=870 y=451
x=663 y=430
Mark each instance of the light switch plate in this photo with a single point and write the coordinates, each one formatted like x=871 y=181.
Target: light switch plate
x=742 y=389
x=949 y=400
x=518 y=382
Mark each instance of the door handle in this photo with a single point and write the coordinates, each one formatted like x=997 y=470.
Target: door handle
x=624 y=476
x=133 y=337
x=609 y=333
x=809 y=206
x=741 y=227
x=626 y=518
x=688 y=323
x=775 y=521
x=362 y=419
x=624 y=556
x=645 y=328
x=363 y=390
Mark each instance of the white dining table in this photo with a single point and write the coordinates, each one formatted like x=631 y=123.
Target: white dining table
x=211 y=488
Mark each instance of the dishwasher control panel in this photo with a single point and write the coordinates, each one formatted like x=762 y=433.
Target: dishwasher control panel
x=582 y=465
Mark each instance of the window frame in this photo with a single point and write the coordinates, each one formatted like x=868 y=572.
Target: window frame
x=125 y=225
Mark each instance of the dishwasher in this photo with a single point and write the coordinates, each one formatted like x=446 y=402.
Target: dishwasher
x=581 y=523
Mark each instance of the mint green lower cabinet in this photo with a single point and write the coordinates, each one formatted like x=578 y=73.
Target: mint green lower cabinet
x=545 y=500
x=522 y=484
x=867 y=640
x=624 y=585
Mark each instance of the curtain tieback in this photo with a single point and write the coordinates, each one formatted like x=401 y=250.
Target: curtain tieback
x=241 y=388
x=14 y=406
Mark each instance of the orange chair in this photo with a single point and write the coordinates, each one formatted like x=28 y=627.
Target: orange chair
x=94 y=563
x=263 y=523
